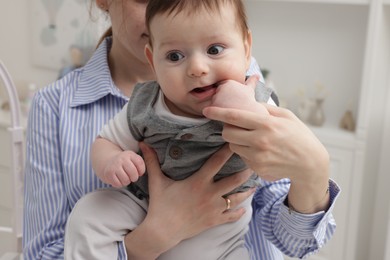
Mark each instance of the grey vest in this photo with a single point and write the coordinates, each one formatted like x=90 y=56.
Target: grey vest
x=181 y=150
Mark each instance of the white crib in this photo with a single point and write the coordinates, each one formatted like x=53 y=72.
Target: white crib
x=13 y=232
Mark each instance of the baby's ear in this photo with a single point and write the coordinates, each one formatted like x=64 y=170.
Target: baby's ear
x=149 y=54
x=248 y=48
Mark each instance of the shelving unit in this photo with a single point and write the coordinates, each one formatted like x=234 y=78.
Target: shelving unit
x=343 y=45
x=301 y=45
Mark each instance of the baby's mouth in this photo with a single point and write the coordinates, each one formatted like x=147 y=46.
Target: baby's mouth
x=204 y=89
x=204 y=93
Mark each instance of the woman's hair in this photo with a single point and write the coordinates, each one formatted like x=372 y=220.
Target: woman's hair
x=173 y=7
x=107 y=33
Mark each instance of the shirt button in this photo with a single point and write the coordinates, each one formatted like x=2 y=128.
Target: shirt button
x=175 y=152
x=186 y=137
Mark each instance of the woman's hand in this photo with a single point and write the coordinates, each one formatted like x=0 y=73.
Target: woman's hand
x=181 y=209
x=277 y=145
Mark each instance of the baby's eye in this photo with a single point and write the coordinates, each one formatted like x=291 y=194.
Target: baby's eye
x=175 y=56
x=215 y=49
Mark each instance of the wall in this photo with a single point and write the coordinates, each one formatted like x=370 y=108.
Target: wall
x=380 y=238
x=15 y=51
x=18 y=21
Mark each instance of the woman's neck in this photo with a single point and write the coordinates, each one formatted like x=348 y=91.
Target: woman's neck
x=127 y=71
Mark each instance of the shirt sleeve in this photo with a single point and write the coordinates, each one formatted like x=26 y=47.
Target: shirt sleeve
x=254 y=69
x=45 y=206
x=293 y=233
x=117 y=131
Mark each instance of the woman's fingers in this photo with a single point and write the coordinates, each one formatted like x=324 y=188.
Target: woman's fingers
x=212 y=166
x=229 y=183
x=240 y=118
x=232 y=215
x=232 y=212
x=186 y=213
x=237 y=198
x=239 y=136
x=156 y=178
x=278 y=111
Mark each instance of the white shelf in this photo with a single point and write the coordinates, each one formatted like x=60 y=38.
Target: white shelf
x=335 y=137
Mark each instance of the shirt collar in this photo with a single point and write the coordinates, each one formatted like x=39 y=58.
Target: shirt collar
x=95 y=79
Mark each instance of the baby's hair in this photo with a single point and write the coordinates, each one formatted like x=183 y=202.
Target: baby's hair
x=173 y=7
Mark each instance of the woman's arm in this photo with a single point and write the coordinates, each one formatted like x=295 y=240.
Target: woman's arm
x=46 y=206
x=278 y=146
x=294 y=234
x=174 y=214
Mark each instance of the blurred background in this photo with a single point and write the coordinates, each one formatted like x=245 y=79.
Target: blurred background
x=328 y=61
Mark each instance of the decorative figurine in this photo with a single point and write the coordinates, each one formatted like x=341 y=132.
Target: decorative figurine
x=317 y=114
x=304 y=107
x=347 y=122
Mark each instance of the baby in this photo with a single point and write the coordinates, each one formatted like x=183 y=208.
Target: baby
x=200 y=52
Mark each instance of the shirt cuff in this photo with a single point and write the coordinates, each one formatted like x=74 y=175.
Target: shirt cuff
x=319 y=225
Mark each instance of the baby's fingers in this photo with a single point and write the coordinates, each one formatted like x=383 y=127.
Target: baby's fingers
x=115 y=182
x=130 y=172
x=252 y=81
x=123 y=178
x=137 y=165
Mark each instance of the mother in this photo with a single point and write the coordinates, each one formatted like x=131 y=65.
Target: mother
x=291 y=215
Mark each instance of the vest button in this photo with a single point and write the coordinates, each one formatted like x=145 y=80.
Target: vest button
x=186 y=137
x=175 y=152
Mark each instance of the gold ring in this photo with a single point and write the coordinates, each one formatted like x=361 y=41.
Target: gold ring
x=228 y=202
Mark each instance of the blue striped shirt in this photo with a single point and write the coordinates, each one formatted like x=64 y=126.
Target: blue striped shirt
x=65 y=118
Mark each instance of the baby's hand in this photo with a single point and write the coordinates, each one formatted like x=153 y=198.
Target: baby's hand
x=232 y=94
x=123 y=169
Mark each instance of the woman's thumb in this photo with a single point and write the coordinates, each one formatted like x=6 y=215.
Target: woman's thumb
x=152 y=165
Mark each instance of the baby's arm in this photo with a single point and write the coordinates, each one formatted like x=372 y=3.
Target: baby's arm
x=113 y=165
x=113 y=155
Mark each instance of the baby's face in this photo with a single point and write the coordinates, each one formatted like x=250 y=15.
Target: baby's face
x=193 y=53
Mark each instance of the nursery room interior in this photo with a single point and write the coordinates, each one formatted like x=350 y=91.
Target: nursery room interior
x=328 y=61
